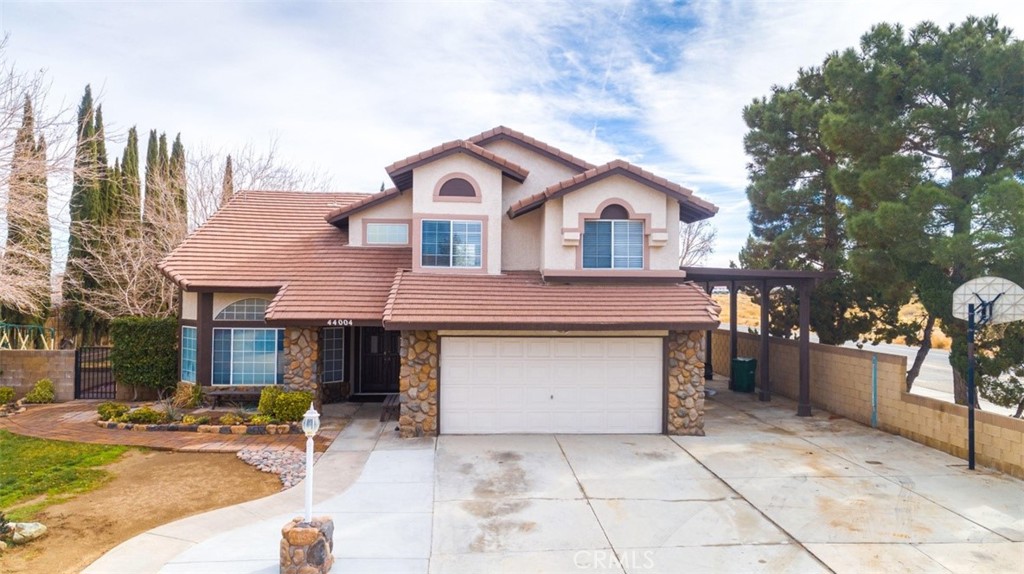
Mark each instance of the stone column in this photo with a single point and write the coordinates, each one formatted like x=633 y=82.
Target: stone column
x=307 y=548
x=302 y=361
x=686 y=383
x=417 y=384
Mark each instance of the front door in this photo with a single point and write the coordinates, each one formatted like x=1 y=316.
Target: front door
x=379 y=361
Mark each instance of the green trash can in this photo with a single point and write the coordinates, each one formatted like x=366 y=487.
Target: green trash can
x=743 y=369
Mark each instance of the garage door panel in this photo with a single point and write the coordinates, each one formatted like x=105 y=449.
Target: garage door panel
x=552 y=384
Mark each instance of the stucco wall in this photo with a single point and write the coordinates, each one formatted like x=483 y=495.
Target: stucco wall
x=488 y=180
x=395 y=208
x=841 y=383
x=189 y=305
x=21 y=370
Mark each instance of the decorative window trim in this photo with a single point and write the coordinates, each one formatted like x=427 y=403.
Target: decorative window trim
x=476 y=198
x=248 y=307
x=596 y=215
x=366 y=231
x=189 y=353
x=279 y=354
x=418 y=242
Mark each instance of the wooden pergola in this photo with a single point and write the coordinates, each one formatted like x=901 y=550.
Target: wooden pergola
x=765 y=280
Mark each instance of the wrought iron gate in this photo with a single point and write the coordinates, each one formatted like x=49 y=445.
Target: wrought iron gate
x=94 y=378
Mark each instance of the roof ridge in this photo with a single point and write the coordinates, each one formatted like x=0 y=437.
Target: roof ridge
x=389 y=305
x=530 y=141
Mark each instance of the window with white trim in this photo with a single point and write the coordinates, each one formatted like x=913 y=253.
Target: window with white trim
x=613 y=244
x=248 y=356
x=188 y=354
x=251 y=309
x=387 y=233
x=451 y=243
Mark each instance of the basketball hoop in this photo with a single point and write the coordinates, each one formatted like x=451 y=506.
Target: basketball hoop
x=984 y=301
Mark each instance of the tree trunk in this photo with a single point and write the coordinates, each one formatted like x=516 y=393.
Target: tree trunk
x=1020 y=410
x=922 y=352
x=960 y=389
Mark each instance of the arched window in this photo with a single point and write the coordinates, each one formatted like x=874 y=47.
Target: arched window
x=252 y=309
x=457 y=187
x=614 y=211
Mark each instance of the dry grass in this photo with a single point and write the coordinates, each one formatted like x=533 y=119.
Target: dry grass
x=749 y=313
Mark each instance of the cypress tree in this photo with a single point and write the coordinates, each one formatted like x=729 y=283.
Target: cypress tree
x=28 y=226
x=176 y=180
x=227 y=186
x=86 y=207
x=131 y=187
x=152 y=174
x=163 y=158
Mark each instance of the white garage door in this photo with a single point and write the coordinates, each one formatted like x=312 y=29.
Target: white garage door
x=550 y=385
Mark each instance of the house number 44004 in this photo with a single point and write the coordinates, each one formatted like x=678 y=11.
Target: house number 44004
x=339 y=322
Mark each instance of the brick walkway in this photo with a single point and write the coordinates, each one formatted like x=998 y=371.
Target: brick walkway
x=73 y=421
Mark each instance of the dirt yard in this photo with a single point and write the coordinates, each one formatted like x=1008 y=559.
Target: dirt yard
x=147 y=489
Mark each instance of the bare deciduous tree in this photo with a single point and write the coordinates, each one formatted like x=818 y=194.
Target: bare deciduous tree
x=696 y=242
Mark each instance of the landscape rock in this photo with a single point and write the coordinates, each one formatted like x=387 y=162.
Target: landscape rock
x=288 y=465
x=27 y=531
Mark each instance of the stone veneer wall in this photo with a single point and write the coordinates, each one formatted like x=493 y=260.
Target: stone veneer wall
x=302 y=360
x=685 y=354
x=417 y=383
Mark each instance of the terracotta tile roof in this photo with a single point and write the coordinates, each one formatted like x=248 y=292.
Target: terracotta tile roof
x=691 y=207
x=401 y=171
x=279 y=241
x=525 y=301
x=338 y=214
x=550 y=151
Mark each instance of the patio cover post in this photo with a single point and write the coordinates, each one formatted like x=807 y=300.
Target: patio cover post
x=766 y=391
x=803 y=408
x=709 y=369
x=732 y=330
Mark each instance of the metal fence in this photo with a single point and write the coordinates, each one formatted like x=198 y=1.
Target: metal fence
x=27 y=337
x=94 y=377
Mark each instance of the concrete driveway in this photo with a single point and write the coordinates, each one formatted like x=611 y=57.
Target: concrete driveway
x=764 y=492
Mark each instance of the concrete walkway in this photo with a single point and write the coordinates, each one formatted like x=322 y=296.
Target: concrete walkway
x=765 y=491
x=74 y=421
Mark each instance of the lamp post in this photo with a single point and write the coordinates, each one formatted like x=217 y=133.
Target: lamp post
x=310 y=424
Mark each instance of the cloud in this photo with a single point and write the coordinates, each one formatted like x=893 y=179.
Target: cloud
x=351 y=87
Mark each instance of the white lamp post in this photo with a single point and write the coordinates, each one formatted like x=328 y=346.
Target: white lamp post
x=310 y=424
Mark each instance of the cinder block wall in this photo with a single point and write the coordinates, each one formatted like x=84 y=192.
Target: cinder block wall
x=21 y=370
x=841 y=384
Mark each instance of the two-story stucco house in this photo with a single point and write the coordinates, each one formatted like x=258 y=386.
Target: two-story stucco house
x=501 y=286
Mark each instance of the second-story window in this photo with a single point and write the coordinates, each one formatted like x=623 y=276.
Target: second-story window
x=613 y=242
x=451 y=243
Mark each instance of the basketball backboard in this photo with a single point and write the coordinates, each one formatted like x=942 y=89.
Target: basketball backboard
x=1008 y=297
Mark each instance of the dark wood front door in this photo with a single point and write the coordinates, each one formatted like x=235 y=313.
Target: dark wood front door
x=378 y=361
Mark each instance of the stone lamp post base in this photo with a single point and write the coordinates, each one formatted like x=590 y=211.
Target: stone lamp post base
x=306 y=548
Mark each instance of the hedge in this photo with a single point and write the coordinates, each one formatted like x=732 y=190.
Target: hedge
x=145 y=352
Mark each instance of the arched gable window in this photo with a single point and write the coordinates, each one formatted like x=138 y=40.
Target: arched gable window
x=614 y=211
x=457 y=187
x=252 y=309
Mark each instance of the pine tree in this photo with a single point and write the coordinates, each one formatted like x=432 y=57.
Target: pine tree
x=28 y=241
x=227 y=187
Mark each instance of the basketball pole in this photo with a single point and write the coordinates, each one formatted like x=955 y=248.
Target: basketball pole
x=970 y=386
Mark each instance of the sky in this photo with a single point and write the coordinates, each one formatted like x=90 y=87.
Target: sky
x=346 y=88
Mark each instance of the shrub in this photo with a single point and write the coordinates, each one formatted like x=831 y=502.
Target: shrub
x=262 y=420
x=188 y=396
x=41 y=393
x=145 y=352
x=6 y=395
x=112 y=411
x=144 y=416
x=230 y=419
x=195 y=420
x=268 y=397
x=290 y=406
